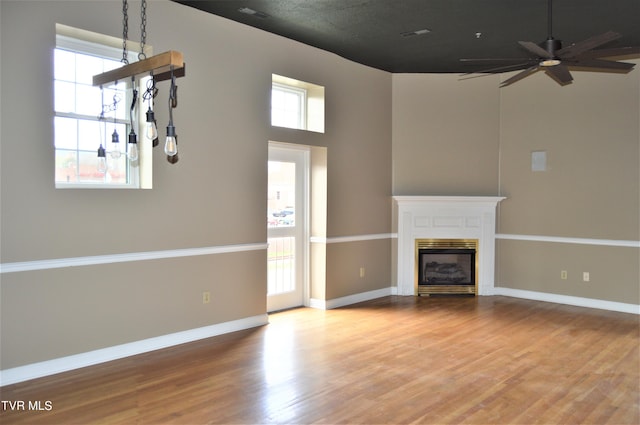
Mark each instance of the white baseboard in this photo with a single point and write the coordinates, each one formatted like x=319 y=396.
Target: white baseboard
x=77 y=361
x=508 y=292
x=569 y=300
x=349 y=299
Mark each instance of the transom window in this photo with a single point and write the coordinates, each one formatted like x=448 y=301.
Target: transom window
x=288 y=106
x=297 y=104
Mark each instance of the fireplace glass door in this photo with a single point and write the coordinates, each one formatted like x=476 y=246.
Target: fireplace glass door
x=446 y=271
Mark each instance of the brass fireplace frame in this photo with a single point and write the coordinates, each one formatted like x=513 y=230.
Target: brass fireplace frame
x=420 y=290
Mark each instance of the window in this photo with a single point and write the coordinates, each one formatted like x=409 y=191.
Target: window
x=79 y=107
x=288 y=106
x=297 y=104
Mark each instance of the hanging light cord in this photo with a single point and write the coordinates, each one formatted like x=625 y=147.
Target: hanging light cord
x=173 y=95
x=103 y=108
x=151 y=92
x=173 y=100
x=134 y=100
x=114 y=107
x=103 y=136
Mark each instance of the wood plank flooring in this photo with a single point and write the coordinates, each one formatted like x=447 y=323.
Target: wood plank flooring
x=395 y=360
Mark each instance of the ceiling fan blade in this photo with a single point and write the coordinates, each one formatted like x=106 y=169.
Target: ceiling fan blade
x=607 y=53
x=604 y=64
x=535 y=49
x=495 y=59
x=513 y=67
x=560 y=73
x=519 y=76
x=588 y=44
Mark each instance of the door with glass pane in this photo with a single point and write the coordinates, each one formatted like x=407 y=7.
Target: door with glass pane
x=286 y=224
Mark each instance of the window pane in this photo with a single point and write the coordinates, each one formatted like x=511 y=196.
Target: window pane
x=66 y=133
x=66 y=166
x=65 y=65
x=86 y=67
x=282 y=194
x=88 y=168
x=109 y=64
x=120 y=100
x=287 y=107
x=291 y=102
x=121 y=129
x=88 y=100
x=116 y=169
x=122 y=112
x=90 y=134
x=65 y=94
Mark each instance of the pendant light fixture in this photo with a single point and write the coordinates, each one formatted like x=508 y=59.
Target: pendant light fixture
x=102 y=160
x=171 y=145
x=115 y=137
x=151 y=127
x=102 y=128
x=165 y=66
x=132 y=148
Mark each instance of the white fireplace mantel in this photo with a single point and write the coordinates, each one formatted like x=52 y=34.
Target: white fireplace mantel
x=446 y=217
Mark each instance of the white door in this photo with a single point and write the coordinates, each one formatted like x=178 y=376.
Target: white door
x=286 y=226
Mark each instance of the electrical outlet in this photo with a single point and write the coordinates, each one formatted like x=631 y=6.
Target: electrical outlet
x=361 y=272
x=585 y=276
x=206 y=297
x=563 y=274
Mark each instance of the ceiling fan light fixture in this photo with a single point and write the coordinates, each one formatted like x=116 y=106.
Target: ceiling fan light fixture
x=550 y=62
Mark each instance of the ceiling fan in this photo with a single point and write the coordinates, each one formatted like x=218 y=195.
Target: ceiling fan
x=554 y=59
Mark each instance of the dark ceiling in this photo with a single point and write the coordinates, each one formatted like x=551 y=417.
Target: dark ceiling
x=382 y=33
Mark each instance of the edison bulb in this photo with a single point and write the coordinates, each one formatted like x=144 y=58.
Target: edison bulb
x=171 y=145
x=151 y=129
x=115 y=145
x=102 y=160
x=133 y=152
x=133 y=147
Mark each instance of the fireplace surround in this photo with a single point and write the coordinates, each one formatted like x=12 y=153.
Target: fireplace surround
x=445 y=218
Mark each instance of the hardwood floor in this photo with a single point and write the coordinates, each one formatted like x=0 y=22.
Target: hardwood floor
x=395 y=360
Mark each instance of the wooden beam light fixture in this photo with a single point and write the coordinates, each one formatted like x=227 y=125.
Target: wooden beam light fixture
x=164 y=66
x=159 y=66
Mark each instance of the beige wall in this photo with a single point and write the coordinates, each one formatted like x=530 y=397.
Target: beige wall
x=536 y=266
x=215 y=196
x=345 y=260
x=590 y=131
x=445 y=135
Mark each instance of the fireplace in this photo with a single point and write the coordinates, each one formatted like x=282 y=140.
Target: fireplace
x=445 y=218
x=446 y=266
